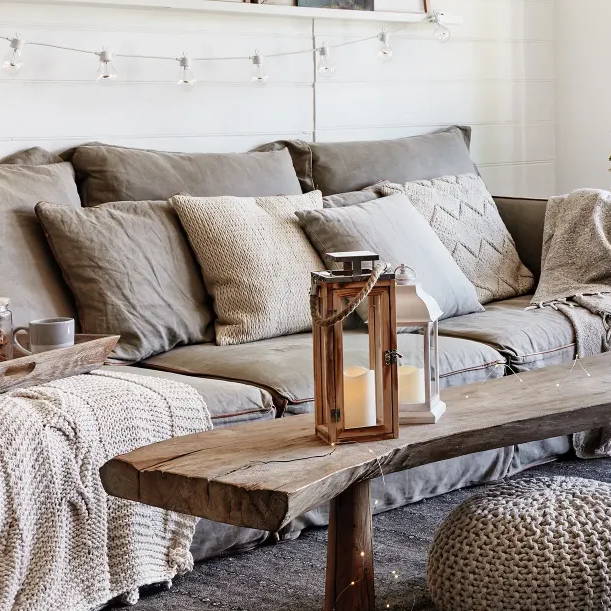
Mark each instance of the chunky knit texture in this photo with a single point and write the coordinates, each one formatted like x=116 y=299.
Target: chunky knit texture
x=255 y=260
x=463 y=214
x=65 y=544
x=539 y=543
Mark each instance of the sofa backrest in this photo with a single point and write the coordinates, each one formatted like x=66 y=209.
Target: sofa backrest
x=524 y=218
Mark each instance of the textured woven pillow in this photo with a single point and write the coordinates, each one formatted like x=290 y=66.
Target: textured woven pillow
x=463 y=214
x=255 y=260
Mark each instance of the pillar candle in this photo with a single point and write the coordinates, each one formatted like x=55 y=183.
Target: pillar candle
x=411 y=385
x=359 y=397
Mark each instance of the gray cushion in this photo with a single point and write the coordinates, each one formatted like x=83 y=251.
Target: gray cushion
x=32 y=156
x=338 y=167
x=349 y=199
x=112 y=173
x=528 y=339
x=228 y=402
x=393 y=228
x=28 y=273
x=132 y=272
x=524 y=218
x=283 y=365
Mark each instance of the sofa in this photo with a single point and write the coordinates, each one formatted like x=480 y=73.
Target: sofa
x=272 y=377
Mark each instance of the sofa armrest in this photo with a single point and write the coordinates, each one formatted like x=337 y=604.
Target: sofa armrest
x=524 y=218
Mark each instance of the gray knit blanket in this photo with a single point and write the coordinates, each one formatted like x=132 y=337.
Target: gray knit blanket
x=576 y=280
x=65 y=544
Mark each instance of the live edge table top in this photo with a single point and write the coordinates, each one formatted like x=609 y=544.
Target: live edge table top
x=262 y=475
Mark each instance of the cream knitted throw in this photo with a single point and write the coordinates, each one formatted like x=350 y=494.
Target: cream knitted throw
x=64 y=544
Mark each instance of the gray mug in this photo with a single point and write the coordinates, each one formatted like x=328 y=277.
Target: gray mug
x=47 y=334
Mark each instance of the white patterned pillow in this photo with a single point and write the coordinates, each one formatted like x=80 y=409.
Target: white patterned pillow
x=463 y=214
x=255 y=260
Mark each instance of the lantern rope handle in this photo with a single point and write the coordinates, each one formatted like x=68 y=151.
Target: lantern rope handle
x=376 y=272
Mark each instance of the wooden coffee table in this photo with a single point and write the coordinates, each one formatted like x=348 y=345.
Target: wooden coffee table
x=263 y=475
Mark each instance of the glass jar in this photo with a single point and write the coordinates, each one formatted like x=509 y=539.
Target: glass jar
x=6 y=330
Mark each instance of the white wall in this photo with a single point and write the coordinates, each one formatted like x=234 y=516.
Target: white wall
x=583 y=93
x=496 y=74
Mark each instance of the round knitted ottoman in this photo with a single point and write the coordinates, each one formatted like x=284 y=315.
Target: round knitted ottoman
x=538 y=543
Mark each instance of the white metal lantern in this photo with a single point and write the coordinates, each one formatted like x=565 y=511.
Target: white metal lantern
x=419 y=400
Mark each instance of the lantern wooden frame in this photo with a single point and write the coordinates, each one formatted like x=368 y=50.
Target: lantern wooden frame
x=332 y=290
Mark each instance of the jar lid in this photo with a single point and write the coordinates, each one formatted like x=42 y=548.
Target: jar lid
x=5 y=301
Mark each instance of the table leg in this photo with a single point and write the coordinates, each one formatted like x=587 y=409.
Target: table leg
x=349 y=583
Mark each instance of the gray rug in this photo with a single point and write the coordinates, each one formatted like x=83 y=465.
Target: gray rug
x=290 y=576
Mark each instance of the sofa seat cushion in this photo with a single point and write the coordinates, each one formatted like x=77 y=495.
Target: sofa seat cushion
x=528 y=339
x=283 y=365
x=228 y=402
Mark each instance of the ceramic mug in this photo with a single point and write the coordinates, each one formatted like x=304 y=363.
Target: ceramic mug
x=47 y=334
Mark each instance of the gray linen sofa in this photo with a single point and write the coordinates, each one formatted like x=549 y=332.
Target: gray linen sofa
x=273 y=377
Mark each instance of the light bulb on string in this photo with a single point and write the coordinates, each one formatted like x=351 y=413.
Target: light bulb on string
x=106 y=69
x=442 y=32
x=324 y=66
x=385 y=51
x=12 y=62
x=259 y=75
x=186 y=77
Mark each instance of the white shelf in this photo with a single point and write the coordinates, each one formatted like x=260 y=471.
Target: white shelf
x=239 y=8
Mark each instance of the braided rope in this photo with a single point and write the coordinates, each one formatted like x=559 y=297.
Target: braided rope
x=353 y=304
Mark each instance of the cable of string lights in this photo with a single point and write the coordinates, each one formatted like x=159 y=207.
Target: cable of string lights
x=17 y=46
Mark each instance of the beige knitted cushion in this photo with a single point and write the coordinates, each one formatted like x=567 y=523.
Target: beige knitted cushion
x=464 y=216
x=255 y=260
x=538 y=543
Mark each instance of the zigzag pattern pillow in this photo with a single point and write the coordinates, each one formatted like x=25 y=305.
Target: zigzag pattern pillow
x=463 y=214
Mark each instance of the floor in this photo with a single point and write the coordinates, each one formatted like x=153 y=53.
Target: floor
x=290 y=576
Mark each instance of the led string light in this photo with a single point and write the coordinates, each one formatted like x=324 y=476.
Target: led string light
x=13 y=61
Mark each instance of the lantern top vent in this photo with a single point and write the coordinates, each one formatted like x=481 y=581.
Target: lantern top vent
x=354 y=267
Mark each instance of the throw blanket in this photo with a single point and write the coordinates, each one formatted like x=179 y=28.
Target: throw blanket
x=65 y=544
x=576 y=280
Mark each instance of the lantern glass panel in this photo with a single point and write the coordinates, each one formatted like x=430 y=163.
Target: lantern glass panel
x=434 y=359
x=362 y=369
x=412 y=371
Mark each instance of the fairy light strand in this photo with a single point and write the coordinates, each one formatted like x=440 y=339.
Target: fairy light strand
x=17 y=44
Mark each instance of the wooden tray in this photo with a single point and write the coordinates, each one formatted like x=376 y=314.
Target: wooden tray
x=88 y=353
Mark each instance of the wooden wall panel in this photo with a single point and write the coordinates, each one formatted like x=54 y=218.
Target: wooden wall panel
x=496 y=74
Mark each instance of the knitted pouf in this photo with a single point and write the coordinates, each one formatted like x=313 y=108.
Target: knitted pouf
x=542 y=543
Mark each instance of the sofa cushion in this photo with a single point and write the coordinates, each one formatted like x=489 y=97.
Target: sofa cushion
x=524 y=218
x=112 y=173
x=132 y=272
x=255 y=260
x=464 y=216
x=350 y=198
x=394 y=229
x=28 y=273
x=283 y=365
x=228 y=402
x=528 y=339
x=338 y=167
x=32 y=156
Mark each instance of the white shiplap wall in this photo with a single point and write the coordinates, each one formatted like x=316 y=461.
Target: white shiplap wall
x=496 y=74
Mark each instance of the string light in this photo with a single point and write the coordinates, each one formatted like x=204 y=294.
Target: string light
x=324 y=66
x=385 y=51
x=259 y=75
x=12 y=62
x=106 y=70
x=442 y=32
x=186 y=76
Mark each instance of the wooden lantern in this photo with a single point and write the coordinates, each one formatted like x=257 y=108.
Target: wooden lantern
x=419 y=399
x=355 y=391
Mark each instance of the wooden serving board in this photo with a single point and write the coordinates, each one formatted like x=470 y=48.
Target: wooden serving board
x=88 y=353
